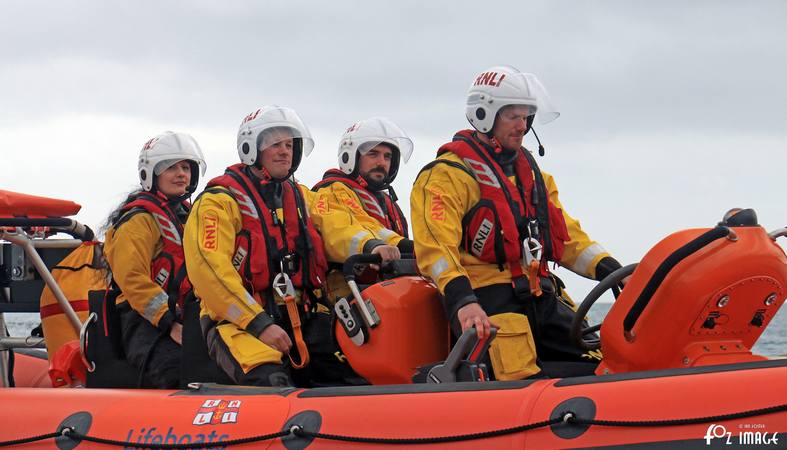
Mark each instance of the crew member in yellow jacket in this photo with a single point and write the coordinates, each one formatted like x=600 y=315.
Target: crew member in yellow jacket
x=370 y=153
x=257 y=246
x=486 y=222
x=145 y=254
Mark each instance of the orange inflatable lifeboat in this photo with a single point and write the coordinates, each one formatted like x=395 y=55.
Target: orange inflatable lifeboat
x=710 y=291
x=696 y=291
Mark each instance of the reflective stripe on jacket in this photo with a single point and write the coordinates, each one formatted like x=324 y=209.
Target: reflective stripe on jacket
x=377 y=210
x=441 y=197
x=210 y=246
x=509 y=210
x=144 y=250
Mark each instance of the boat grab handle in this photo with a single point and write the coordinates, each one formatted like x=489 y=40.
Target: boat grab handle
x=361 y=258
x=664 y=269
x=777 y=233
x=69 y=226
x=90 y=366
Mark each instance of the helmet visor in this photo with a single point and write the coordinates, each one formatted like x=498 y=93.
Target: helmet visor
x=279 y=124
x=388 y=132
x=546 y=109
x=536 y=98
x=162 y=166
x=170 y=148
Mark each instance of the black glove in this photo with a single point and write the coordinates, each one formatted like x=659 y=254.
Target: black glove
x=606 y=266
x=406 y=247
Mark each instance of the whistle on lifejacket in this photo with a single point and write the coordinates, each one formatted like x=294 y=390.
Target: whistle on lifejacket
x=532 y=251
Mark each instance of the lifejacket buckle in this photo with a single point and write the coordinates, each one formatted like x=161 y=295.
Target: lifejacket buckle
x=532 y=250
x=283 y=286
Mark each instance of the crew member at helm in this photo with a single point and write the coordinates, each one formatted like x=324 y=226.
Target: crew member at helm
x=369 y=156
x=486 y=222
x=145 y=253
x=258 y=262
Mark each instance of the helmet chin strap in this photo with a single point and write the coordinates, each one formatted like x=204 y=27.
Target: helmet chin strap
x=493 y=142
x=297 y=154
x=181 y=198
x=496 y=144
x=264 y=174
x=375 y=185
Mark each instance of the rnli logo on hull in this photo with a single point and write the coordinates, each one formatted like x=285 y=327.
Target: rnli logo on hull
x=216 y=412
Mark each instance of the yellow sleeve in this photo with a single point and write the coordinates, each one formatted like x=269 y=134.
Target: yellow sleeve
x=581 y=254
x=341 y=196
x=343 y=234
x=438 y=202
x=209 y=245
x=129 y=250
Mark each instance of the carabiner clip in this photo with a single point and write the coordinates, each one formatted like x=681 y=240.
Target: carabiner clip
x=283 y=286
x=532 y=250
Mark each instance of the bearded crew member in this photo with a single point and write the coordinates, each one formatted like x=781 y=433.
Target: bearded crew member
x=144 y=251
x=254 y=226
x=370 y=153
x=486 y=220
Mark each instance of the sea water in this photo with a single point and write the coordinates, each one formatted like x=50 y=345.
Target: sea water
x=773 y=341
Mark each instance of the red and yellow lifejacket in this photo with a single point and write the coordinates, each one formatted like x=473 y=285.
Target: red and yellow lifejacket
x=168 y=267
x=507 y=213
x=264 y=241
x=381 y=207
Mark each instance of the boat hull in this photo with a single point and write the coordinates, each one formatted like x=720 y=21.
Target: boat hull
x=213 y=413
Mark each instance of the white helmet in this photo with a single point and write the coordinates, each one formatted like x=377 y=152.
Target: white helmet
x=166 y=149
x=367 y=134
x=501 y=86
x=252 y=131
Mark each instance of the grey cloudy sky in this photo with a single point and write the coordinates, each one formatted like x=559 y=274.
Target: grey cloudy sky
x=672 y=111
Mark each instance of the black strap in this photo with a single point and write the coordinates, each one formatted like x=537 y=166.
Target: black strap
x=304 y=246
x=541 y=204
x=453 y=164
x=128 y=215
x=405 y=232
